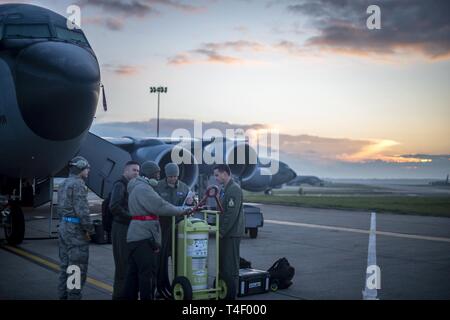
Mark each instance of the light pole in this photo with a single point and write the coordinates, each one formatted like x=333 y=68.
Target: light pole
x=158 y=90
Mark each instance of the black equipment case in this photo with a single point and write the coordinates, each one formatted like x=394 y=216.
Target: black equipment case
x=253 y=281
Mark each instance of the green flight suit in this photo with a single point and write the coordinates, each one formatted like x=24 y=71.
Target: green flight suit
x=232 y=228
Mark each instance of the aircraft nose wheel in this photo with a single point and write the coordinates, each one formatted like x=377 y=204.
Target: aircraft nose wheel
x=14 y=224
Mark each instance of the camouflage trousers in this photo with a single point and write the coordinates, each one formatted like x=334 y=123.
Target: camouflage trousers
x=73 y=252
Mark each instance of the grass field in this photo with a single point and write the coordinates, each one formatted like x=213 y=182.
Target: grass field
x=428 y=206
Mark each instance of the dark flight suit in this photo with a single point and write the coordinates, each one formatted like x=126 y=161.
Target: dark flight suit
x=232 y=228
x=176 y=196
x=121 y=220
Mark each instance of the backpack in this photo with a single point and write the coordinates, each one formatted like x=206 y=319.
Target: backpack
x=107 y=216
x=281 y=273
x=244 y=264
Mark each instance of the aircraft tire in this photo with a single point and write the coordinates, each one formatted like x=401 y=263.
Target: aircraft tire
x=15 y=225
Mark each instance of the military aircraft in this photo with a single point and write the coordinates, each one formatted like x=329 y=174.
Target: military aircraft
x=311 y=180
x=105 y=154
x=108 y=155
x=50 y=82
x=107 y=158
x=263 y=180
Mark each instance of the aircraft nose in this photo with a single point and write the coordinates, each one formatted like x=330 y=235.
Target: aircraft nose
x=57 y=87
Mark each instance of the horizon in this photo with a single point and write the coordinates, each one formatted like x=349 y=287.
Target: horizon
x=317 y=158
x=311 y=69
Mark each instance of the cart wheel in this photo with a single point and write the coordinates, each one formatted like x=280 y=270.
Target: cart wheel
x=274 y=285
x=227 y=289
x=253 y=232
x=15 y=224
x=181 y=289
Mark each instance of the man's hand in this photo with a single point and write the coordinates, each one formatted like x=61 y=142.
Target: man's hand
x=87 y=236
x=187 y=212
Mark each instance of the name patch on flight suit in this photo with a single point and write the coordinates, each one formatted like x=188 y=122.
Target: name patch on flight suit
x=180 y=194
x=231 y=202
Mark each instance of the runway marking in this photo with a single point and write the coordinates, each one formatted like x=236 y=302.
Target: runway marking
x=368 y=292
x=53 y=266
x=363 y=231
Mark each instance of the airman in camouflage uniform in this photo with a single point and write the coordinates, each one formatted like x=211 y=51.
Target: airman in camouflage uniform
x=74 y=230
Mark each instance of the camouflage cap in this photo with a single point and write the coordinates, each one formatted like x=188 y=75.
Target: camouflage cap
x=79 y=162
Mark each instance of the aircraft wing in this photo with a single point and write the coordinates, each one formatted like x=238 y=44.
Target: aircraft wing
x=107 y=161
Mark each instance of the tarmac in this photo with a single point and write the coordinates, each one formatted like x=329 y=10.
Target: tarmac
x=328 y=249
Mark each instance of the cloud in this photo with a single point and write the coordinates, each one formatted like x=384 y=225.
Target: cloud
x=179 y=5
x=114 y=23
x=307 y=154
x=214 y=57
x=122 y=10
x=139 y=8
x=376 y=151
x=321 y=149
x=212 y=52
x=406 y=26
x=242 y=29
x=239 y=45
x=290 y=48
x=12 y=1
x=328 y=150
x=111 y=23
x=125 y=8
x=146 y=128
x=202 y=56
x=122 y=69
x=314 y=148
x=180 y=59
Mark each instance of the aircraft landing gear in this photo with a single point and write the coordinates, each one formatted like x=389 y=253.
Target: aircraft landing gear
x=13 y=222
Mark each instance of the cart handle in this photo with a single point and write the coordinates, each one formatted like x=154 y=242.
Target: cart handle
x=211 y=192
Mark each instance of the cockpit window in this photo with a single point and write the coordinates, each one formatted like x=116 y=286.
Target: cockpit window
x=26 y=31
x=70 y=35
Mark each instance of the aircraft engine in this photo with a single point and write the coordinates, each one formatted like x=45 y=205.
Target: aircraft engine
x=239 y=155
x=258 y=181
x=161 y=153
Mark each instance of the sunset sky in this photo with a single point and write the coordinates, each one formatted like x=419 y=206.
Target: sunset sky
x=302 y=67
